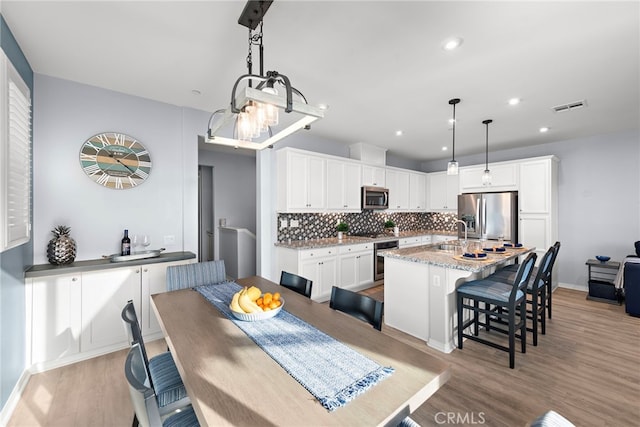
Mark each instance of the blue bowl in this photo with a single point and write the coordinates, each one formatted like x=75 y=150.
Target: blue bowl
x=603 y=258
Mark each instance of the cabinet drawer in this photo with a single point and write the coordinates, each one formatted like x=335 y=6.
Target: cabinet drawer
x=361 y=247
x=318 y=253
x=411 y=241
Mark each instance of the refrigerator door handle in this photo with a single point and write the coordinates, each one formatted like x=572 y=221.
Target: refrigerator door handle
x=478 y=225
x=484 y=218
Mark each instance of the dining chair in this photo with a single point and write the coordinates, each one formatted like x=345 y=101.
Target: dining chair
x=357 y=305
x=494 y=294
x=536 y=288
x=144 y=398
x=195 y=274
x=162 y=371
x=296 y=283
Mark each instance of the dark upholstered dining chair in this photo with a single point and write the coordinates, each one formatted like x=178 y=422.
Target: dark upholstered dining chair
x=296 y=283
x=144 y=399
x=357 y=305
x=162 y=371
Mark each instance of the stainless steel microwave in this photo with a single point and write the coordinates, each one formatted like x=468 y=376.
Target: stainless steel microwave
x=375 y=198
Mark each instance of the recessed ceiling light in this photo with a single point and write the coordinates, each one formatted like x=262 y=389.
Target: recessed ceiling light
x=444 y=148
x=323 y=106
x=452 y=43
x=544 y=129
x=514 y=101
x=398 y=133
x=195 y=92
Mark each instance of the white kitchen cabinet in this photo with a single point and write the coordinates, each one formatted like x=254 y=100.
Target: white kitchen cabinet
x=504 y=177
x=301 y=182
x=436 y=238
x=343 y=185
x=355 y=266
x=72 y=317
x=534 y=195
x=443 y=191
x=417 y=191
x=55 y=313
x=374 y=176
x=398 y=185
x=321 y=267
x=104 y=294
x=407 y=242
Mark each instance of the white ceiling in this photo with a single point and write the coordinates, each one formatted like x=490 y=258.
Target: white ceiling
x=379 y=65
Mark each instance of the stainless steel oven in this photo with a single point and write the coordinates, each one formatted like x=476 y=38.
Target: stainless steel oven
x=378 y=263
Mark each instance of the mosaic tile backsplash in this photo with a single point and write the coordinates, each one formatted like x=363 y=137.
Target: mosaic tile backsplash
x=323 y=225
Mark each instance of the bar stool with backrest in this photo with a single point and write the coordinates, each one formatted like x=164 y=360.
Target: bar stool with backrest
x=495 y=296
x=162 y=371
x=357 y=305
x=144 y=399
x=537 y=288
x=296 y=283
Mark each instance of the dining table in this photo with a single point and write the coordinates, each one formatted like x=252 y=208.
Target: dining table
x=233 y=381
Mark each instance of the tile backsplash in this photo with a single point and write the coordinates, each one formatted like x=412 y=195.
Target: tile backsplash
x=323 y=225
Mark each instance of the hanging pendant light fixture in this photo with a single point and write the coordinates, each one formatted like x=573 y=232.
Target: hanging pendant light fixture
x=486 y=176
x=452 y=166
x=254 y=110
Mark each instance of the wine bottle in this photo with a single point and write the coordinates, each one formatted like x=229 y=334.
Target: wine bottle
x=126 y=244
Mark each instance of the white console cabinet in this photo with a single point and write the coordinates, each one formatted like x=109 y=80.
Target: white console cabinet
x=76 y=316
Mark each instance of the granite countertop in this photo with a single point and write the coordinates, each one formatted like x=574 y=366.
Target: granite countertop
x=354 y=240
x=427 y=254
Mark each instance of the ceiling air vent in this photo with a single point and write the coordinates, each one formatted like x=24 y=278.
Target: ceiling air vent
x=570 y=106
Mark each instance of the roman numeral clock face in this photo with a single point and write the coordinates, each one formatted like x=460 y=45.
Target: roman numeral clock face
x=115 y=160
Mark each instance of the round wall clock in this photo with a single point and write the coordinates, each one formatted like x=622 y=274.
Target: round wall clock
x=115 y=160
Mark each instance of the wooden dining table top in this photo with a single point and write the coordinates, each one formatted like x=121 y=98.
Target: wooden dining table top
x=232 y=381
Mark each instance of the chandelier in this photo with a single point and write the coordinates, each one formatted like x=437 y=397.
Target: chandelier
x=255 y=111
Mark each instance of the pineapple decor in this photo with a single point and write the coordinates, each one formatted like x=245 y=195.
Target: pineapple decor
x=62 y=248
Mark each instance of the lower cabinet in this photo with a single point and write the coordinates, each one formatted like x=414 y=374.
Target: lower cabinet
x=349 y=267
x=76 y=316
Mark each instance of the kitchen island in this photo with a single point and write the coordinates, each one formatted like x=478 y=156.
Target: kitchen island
x=420 y=284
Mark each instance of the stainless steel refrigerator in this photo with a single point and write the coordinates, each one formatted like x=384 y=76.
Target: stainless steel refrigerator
x=489 y=215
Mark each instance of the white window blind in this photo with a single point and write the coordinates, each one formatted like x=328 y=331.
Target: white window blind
x=16 y=159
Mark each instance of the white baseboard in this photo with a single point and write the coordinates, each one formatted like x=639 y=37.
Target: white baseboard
x=14 y=398
x=575 y=287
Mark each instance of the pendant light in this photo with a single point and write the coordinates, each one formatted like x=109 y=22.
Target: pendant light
x=486 y=176
x=452 y=166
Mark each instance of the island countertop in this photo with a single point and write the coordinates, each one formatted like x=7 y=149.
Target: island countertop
x=429 y=254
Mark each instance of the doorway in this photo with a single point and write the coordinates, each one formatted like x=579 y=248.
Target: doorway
x=206 y=228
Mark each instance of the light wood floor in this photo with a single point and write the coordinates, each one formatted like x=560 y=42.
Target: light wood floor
x=587 y=368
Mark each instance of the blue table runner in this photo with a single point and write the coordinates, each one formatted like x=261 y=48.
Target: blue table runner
x=331 y=371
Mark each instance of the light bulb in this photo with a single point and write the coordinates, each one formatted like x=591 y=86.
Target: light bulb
x=486 y=177
x=271 y=111
x=452 y=168
x=243 y=125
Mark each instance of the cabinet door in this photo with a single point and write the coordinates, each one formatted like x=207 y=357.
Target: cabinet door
x=504 y=177
x=535 y=231
x=364 y=267
x=297 y=181
x=373 y=176
x=154 y=281
x=316 y=183
x=417 y=191
x=104 y=294
x=437 y=193
x=398 y=184
x=348 y=270
x=56 y=321
x=323 y=273
x=535 y=186
x=343 y=185
x=352 y=182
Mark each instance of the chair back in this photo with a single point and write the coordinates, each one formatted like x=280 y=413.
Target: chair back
x=522 y=277
x=195 y=274
x=132 y=327
x=143 y=396
x=543 y=275
x=357 y=305
x=296 y=283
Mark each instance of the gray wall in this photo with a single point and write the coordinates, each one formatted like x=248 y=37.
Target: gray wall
x=13 y=263
x=598 y=192
x=234 y=191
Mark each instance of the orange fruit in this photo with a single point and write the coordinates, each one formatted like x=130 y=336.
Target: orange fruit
x=276 y=296
x=274 y=304
x=267 y=298
x=260 y=301
x=278 y=303
x=266 y=308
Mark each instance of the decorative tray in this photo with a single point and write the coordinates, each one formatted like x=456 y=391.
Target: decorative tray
x=134 y=256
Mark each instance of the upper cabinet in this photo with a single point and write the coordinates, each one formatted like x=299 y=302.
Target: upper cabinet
x=504 y=177
x=536 y=186
x=443 y=191
x=302 y=185
x=417 y=191
x=343 y=185
x=398 y=185
x=374 y=176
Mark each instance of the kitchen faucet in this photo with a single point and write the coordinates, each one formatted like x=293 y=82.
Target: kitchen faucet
x=465 y=227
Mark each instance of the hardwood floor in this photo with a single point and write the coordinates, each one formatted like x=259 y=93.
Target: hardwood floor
x=587 y=368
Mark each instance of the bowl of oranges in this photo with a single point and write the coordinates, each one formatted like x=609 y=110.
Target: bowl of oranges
x=251 y=305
